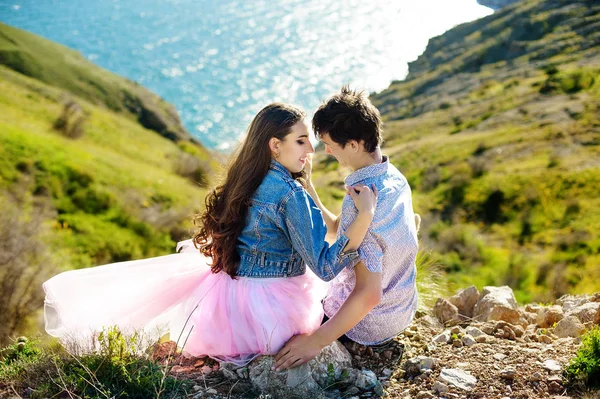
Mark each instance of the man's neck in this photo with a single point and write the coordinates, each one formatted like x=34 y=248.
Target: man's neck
x=367 y=159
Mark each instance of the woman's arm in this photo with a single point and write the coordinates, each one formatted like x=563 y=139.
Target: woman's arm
x=306 y=230
x=331 y=220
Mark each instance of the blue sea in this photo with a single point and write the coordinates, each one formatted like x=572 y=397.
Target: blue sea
x=220 y=62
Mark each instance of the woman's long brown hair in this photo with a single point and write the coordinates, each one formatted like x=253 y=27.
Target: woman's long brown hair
x=226 y=206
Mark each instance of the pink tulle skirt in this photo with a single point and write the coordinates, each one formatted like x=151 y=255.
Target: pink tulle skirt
x=206 y=313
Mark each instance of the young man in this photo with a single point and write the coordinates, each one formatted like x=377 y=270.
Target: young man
x=376 y=299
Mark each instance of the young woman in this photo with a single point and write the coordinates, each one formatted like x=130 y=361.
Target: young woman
x=243 y=288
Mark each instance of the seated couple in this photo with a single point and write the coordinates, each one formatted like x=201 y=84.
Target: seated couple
x=243 y=289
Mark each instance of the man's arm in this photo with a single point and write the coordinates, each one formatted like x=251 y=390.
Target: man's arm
x=363 y=298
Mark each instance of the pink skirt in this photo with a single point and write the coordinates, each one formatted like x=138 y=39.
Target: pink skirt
x=206 y=313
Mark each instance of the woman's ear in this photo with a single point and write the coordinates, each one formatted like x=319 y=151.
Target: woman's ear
x=274 y=143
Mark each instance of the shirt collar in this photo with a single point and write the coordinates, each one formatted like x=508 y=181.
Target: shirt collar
x=368 y=171
x=279 y=167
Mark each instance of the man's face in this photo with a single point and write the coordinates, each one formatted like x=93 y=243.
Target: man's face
x=344 y=155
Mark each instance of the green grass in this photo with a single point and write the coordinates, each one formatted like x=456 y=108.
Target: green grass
x=115 y=189
x=116 y=369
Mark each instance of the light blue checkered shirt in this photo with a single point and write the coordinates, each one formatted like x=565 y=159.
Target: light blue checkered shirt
x=390 y=247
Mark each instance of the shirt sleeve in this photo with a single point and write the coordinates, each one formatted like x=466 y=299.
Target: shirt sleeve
x=307 y=230
x=370 y=253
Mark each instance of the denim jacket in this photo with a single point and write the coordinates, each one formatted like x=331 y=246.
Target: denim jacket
x=285 y=231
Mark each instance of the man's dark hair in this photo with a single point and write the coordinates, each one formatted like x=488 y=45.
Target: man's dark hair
x=349 y=115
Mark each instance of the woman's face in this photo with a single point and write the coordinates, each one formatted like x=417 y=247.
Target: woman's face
x=294 y=148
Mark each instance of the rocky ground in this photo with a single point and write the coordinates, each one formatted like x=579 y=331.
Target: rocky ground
x=472 y=345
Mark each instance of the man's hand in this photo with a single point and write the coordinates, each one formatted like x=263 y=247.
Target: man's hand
x=297 y=351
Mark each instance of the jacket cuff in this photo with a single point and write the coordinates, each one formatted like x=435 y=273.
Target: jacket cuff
x=347 y=258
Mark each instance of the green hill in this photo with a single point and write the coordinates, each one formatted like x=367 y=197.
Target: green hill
x=497 y=128
x=93 y=169
x=61 y=67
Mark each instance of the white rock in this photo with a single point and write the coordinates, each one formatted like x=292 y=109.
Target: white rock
x=570 y=326
x=468 y=340
x=586 y=312
x=465 y=301
x=458 y=378
x=474 y=332
x=552 y=365
x=569 y=302
x=442 y=338
x=497 y=303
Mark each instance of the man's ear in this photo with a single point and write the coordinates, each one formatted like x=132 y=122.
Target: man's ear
x=355 y=145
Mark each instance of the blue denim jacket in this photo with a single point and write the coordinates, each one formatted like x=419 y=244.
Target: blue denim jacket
x=285 y=231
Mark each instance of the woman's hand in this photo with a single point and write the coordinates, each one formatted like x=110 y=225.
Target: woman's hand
x=365 y=198
x=308 y=169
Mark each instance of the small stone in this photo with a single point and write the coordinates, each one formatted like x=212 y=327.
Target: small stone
x=519 y=331
x=555 y=387
x=387 y=372
x=556 y=378
x=544 y=339
x=439 y=387
x=388 y=354
x=499 y=356
x=242 y=372
x=547 y=317
x=443 y=338
x=474 y=331
x=465 y=301
x=211 y=391
x=457 y=343
x=366 y=380
x=182 y=369
x=508 y=373
x=586 y=312
x=206 y=370
x=570 y=326
x=196 y=388
x=536 y=377
x=445 y=311
x=482 y=339
x=456 y=330
x=230 y=374
x=468 y=340
x=425 y=395
x=552 y=366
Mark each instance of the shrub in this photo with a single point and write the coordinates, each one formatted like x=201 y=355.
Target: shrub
x=584 y=369
x=115 y=370
x=16 y=357
x=25 y=262
x=71 y=120
x=193 y=168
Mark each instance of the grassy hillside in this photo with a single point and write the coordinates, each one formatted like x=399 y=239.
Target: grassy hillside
x=82 y=180
x=497 y=128
x=61 y=67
